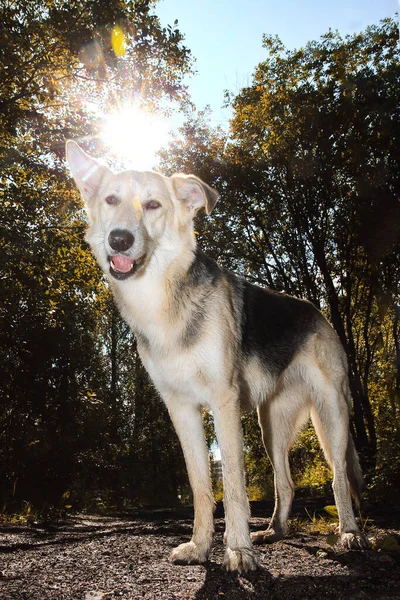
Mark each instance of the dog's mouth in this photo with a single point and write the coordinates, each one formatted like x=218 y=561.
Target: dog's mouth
x=122 y=267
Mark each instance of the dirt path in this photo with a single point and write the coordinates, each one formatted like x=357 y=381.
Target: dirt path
x=102 y=558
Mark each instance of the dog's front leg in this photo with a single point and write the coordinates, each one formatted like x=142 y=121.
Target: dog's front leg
x=189 y=427
x=239 y=555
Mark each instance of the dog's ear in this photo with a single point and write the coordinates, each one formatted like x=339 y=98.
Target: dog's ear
x=195 y=193
x=87 y=172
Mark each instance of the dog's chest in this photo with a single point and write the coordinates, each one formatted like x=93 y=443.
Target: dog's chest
x=182 y=354
x=191 y=372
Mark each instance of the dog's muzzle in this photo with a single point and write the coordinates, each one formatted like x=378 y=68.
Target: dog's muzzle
x=121 y=265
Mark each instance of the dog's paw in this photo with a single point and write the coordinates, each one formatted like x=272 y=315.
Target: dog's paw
x=189 y=554
x=269 y=536
x=242 y=560
x=353 y=541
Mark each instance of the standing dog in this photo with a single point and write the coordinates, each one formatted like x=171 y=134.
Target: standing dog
x=208 y=338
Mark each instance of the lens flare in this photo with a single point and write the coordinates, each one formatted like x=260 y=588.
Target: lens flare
x=134 y=136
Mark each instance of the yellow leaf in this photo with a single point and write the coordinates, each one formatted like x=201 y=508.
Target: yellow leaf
x=118 y=41
x=331 y=510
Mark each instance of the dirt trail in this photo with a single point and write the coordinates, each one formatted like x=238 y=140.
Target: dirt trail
x=89 y=557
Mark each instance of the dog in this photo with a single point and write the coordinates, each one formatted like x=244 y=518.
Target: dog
x=210 y=339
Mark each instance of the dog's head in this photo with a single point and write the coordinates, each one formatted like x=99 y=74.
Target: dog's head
x=132 y=215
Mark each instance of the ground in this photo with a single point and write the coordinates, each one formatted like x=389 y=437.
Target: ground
x=92 y=557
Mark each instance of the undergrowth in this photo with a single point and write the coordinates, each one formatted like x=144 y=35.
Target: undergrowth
x=26 y=514
x=325 y=523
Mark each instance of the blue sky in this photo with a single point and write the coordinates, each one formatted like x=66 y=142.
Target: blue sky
x=225 y=35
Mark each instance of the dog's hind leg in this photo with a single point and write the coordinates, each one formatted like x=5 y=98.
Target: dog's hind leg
x=330 y=415
x=280 y=420
x=239 y=554
x=188 y=425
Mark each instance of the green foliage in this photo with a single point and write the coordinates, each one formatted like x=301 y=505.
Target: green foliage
x=260 y=483
x=316 y=135
x=309 y=181
x=308 y=465
x=309 y=184
x=218 y=489
x=331 y=511
x=316 y=524
x=74 y=399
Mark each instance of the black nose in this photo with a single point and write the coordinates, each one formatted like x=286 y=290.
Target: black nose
x=120 y=239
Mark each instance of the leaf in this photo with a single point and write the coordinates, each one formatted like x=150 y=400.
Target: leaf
x=331 y=510
x=332 y=539
x=389 y=544
x=118 y=41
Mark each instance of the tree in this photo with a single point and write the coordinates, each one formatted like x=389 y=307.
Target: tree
x=327 y=122
x=310 y=184
x=62 y=408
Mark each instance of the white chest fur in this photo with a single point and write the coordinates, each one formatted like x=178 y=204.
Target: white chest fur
x=190 y=373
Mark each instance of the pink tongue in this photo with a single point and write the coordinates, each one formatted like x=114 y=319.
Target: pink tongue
x=122 y=263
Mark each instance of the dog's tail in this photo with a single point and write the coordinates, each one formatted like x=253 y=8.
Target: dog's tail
x=354 y=472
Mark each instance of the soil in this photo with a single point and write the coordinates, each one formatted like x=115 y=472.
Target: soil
x=94 y=557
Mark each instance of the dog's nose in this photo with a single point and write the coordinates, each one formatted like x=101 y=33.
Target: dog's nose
x=120 y=239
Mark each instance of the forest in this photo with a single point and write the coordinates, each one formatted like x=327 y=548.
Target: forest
x=308 y=173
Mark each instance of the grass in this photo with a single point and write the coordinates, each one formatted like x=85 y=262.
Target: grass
x=325 y=523
x=312 y=524
x=26 y=514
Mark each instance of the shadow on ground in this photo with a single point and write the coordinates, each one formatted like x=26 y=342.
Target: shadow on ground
x=102 y=557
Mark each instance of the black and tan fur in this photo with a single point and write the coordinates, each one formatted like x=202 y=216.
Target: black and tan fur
x=210 y=339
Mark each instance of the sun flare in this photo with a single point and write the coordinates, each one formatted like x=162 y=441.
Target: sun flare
x=134 y=136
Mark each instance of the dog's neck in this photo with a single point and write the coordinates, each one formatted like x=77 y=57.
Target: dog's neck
x=145 y=300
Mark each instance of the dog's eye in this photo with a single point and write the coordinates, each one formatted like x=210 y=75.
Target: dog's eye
x=113 y=200
x=152 y=205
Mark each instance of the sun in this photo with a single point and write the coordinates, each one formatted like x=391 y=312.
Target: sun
x=134 y=136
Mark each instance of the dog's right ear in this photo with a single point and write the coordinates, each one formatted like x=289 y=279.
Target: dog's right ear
x=87 y=172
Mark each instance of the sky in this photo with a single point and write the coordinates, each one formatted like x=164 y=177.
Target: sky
x=225 y=36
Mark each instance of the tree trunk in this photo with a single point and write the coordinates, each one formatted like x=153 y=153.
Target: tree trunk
x=114 y=375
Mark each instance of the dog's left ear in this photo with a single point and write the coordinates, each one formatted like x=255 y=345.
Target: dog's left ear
x=195 y=193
